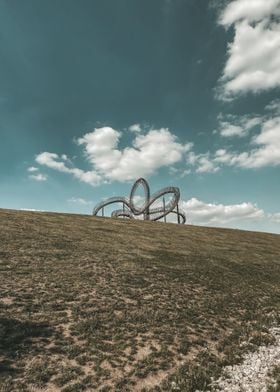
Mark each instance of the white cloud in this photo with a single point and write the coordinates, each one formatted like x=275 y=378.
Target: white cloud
x=251 y=122
x=149 y=152
x=50 y=160
x=253 y=63
x=53 y=161
x=237 y=125
x=251 y=10
x=160 y=148
x=203 y=162
x=139 y=200
x=173 y=170
x=32 y=169
x=199 y=212
x=229 y=130
x=31 y=209
x=135 y=128
x=185 y=173
x=38 y=177
x=79 y=200
x=269 y=141
x=206 y=166
x=222 y=156
x=265 y=153
x=157 y=148
x=274 y=106
x=275 y=217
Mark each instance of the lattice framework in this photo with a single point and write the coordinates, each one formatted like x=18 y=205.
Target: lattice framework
x=130 y=210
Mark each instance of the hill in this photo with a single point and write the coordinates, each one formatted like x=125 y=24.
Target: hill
x=90 y=303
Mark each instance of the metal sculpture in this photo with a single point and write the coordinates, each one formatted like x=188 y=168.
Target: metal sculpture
x=130 y=210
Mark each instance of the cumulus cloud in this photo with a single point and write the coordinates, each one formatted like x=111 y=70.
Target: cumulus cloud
x=157 y=148
x=251 y=10
x=51 y=160
x=265 y=149
x=274 y=106
x=229 y=130
x=149 y=152
x=253 y=63
x=240 y=126
x=199 y=212
x=202 y=162
x=135 y=128
x=32 y=169
x=55 y=162
x=38 y=177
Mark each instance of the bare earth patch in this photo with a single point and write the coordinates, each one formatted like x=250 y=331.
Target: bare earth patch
x=7 y=301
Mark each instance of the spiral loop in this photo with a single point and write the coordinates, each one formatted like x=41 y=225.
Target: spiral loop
x=130 y=210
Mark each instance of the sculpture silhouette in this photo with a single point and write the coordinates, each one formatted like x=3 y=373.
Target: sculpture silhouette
x=130 y=210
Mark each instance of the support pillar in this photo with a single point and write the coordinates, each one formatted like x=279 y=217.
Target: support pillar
x=164 y=218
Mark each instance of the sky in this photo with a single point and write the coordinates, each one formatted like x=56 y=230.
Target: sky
x=97 y=93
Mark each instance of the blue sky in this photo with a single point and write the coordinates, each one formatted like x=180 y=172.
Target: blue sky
x=95 y=94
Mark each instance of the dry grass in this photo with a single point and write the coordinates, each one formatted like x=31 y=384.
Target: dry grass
x=96 y=304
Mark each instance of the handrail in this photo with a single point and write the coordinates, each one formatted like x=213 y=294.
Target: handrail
x=130 y=210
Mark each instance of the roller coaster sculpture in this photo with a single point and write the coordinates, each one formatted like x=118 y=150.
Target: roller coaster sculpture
x=131 y=211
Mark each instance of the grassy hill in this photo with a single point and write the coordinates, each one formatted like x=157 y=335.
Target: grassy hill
x=95 y=304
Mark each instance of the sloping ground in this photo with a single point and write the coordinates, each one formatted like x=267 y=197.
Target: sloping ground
x=101 y=304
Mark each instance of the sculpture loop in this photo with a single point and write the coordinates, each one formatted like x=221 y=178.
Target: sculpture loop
x=131 y=210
